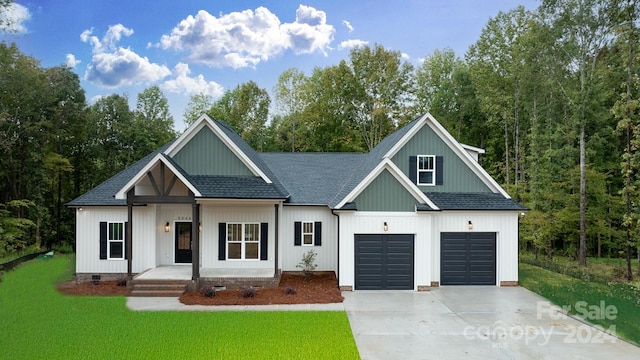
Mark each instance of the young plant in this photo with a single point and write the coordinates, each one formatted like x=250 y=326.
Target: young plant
x=308 y=262
x=208 y=291
x=249 y=292
x=290 y=290
x=121 y=281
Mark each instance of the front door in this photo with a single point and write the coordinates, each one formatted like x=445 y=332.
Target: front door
x=183 y=242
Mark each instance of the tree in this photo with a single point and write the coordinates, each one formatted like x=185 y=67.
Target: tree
x=198 y=105
x=582 y=29
x=291 y=99
x=153 y=123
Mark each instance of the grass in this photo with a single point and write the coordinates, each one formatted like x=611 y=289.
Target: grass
x=588 y=296
x=38 y=322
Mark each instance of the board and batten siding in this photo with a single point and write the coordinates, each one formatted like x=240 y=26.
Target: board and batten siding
x=88 y=239
x=457 y=176
x=385 y=193
x=206 y=154
x=212 y=214
x=291 y=255
x=504 y=224
x=418 y=224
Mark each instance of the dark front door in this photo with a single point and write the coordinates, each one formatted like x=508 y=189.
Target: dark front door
x=183 y=242
x=384 y=261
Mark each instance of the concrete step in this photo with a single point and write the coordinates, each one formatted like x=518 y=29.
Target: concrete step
x=158 y=287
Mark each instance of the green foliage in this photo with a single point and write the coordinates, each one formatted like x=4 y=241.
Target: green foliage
x=88 y=327
x=308 y=262
x=14 y=230
x=567 y=291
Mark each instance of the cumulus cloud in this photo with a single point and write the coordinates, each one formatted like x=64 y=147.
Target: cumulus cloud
x=405 y=56
x=244 y=39
x=113 y=66
x=184 y=84
x=72 y=61
x=352 y=43
x=348 y=25
x=13 y=18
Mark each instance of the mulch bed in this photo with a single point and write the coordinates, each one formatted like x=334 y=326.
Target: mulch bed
x=317 y=288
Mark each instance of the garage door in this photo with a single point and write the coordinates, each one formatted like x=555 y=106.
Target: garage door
x=468 y=259
x=384 y=262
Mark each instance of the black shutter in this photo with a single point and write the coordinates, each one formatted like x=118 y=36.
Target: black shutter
x=103 y=240
x=222 y=241
x=297 y=233
x=439 y=172
x=264 y=241
x=318 y=233
x=126 y=240
x=413 y=169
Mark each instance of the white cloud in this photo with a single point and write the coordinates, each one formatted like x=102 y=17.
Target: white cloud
x=13 y=18
x=244 y=39
x=72 y=61
x=348 y=25
x=184 y=84
x=405 y=56
x=113 y=66
x=352 y=43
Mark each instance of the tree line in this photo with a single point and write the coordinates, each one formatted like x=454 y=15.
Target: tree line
x=551 y=94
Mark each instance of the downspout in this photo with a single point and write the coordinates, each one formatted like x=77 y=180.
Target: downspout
x=276 y=235
x=338 y=247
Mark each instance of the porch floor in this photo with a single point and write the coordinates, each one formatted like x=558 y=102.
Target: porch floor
x=183 y=272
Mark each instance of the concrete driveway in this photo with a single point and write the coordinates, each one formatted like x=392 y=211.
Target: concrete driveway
x=478 y=322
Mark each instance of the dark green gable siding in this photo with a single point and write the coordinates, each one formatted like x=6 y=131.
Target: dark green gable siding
x=385 y=193
x=457 y=177
x=206 y=154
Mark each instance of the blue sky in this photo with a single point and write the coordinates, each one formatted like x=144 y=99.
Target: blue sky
x=196 y=46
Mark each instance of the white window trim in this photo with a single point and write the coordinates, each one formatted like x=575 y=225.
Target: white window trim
x=433 y=171
x=110 y=241
x=312 y=233
x=243 y=241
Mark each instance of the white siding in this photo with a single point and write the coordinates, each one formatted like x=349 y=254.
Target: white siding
x=165 y=254
x=418 y=224
x=212 y=214
x=290 y=255
x=504 y=224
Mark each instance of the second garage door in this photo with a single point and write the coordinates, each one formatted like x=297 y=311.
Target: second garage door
x=384 y=262
x=468 y=258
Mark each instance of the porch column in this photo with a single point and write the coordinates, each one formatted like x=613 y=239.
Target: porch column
x=195 y=241
x=275 y=273
x=128 y=236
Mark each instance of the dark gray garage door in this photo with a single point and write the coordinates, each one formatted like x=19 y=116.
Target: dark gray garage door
x=468 y=259
x=384 y=262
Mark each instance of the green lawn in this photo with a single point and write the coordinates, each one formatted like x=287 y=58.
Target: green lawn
x=37 y=322
x=589 y=298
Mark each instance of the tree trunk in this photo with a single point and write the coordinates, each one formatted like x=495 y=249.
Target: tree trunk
x=582 y=258
x=507 y=171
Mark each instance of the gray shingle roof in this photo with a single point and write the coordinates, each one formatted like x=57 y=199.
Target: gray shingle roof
x=473 y=201
x=235 y=187
x=313 y=178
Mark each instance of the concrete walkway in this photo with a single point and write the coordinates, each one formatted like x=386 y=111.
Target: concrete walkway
x=173 y=304
x=473 y=323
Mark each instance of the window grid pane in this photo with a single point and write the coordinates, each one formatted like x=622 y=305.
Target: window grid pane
x=307 y=233
x=243 y=241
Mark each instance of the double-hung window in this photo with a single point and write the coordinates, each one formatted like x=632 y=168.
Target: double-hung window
x=307 y=234
x=243 y=241
x=426 y=169
x=115 y=240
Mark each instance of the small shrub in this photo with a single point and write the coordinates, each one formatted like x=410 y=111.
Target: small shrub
x=308 y=262
x=290 y=290
x=248 y=292
x=208 y=291
x=121 y=281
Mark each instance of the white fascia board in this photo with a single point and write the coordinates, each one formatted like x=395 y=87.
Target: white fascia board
x=397 y=173
x=472 y=148
x=122 y=194
x=203 y=121
x=405 y=139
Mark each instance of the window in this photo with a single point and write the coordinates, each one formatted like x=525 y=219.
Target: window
x=426 y=169
x=307 y=234
x=115 y=241
x=243 y=241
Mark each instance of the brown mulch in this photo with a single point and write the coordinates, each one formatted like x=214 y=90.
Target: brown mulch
x=103 y=288
x=317 y=288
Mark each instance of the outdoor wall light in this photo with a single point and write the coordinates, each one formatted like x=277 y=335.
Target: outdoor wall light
x=470 y=225
x=200 y=227
x=167 y=227
x=385 y=226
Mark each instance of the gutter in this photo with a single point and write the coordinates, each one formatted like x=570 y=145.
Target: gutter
x=338 y=248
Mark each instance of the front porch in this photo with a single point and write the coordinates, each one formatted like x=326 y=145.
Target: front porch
x=219 y=277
